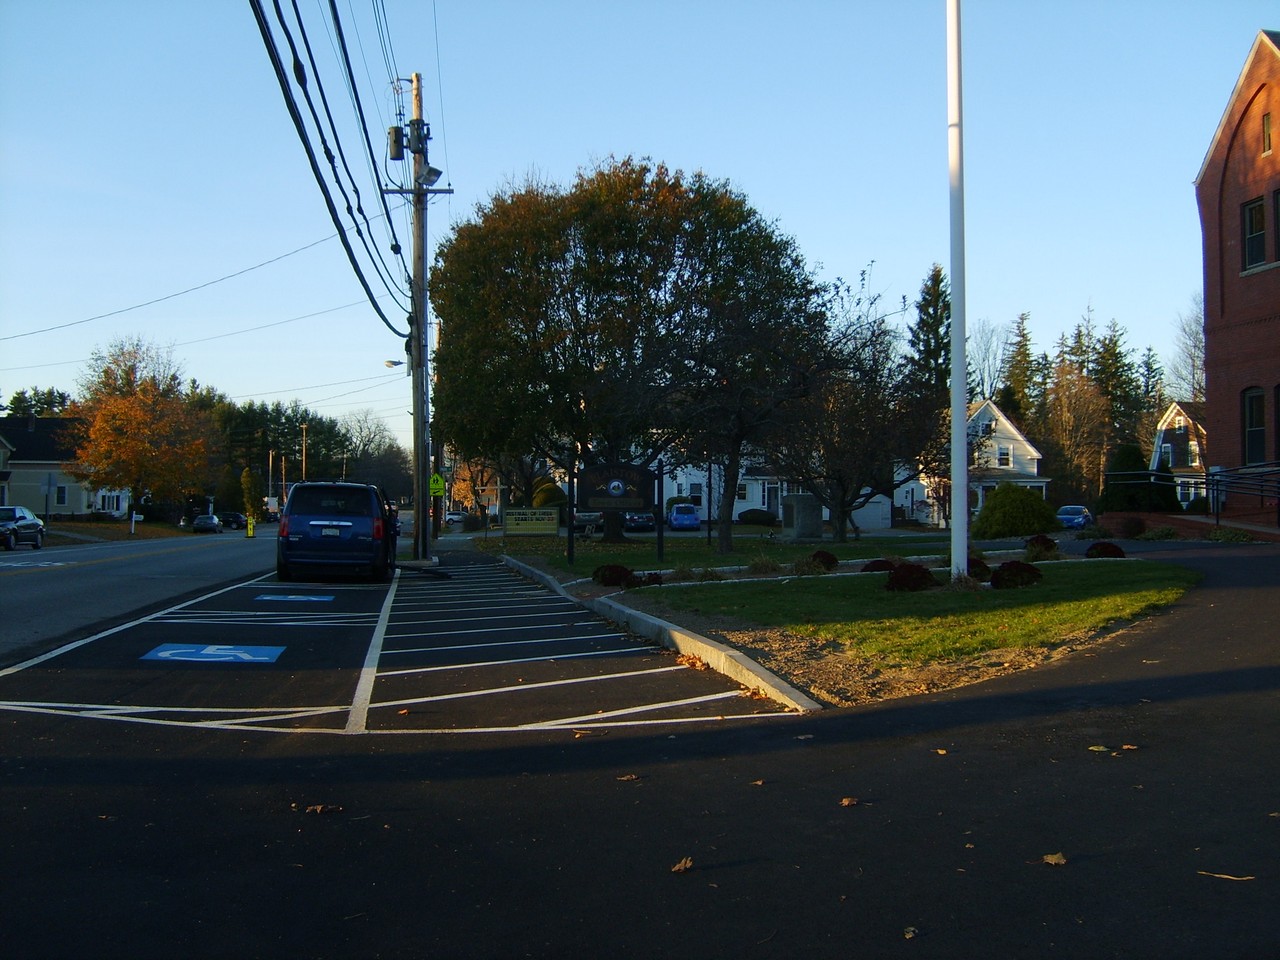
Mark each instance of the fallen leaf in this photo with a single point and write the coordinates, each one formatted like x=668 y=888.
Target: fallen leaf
x=1053 y=859
x=1128 y=746
x=404 y=712
x=1223 y=876
x=848 y=801
x=757 y=783
x=1100 y=749
x=628 y=777
x=323 y=808
x=683 y=866
x=909 y=932
x=691 y=661
x=940 y=752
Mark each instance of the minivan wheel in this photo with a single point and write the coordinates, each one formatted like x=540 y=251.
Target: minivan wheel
x=283 y=573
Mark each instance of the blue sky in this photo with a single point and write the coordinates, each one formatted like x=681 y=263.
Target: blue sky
x=145 y=149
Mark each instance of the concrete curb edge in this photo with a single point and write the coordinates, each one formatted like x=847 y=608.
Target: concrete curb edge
x=731 y=663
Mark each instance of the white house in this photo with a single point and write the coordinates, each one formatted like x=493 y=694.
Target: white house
x=758 y=489
x=1001 y=454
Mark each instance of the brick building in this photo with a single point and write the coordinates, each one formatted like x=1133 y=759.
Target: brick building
x=1238 y=193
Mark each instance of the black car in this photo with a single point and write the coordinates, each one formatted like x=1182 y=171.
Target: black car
x=20 y=525
x=335 y=525
x=638 y=521
x=233 y=521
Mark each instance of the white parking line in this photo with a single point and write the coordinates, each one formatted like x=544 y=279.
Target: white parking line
x=358 y=718
x=501 y=663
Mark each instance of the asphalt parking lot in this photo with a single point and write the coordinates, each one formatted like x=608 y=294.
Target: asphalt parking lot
x=468 y=647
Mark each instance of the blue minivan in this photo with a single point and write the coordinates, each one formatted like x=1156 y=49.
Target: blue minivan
x=332 y=525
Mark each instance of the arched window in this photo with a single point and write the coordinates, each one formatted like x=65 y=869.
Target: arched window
x=1253 y=423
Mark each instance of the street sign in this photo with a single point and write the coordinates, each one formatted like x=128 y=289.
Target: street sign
x=437 y=485
x=214 y=653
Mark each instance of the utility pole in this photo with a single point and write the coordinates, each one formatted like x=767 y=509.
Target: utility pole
x=424 y=178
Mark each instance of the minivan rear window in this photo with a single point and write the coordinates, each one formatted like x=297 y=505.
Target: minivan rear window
x=330 y=502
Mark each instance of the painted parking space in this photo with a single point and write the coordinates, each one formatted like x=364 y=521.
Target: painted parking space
x=472 y=647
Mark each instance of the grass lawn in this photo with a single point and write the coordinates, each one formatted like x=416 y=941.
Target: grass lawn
x=107 y=530
x=857 y=615
x=750 y=543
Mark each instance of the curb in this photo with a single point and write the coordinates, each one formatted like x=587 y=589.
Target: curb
x=723 y=659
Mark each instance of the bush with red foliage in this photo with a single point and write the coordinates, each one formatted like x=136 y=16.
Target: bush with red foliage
x=879 y=565
x=613 y=575
x=1104 y=549
x=828 y=560
x=910 y=577
x=1013 y=574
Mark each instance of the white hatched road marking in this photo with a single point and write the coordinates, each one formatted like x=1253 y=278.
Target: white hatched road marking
x=275 y=719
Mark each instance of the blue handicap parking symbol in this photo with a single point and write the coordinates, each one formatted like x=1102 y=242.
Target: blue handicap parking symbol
x=214 y=653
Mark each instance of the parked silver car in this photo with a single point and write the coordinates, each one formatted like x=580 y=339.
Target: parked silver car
x=20 y=525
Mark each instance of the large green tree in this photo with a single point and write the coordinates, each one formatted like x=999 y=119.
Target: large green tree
x=640 y=311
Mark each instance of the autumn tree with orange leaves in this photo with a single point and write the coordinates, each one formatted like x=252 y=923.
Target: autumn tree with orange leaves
x=136 y=430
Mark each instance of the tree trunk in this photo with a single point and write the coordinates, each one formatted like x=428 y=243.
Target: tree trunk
x=728 y=496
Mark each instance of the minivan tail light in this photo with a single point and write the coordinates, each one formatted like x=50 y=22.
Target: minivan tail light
x=377 y=528
x=284 y=527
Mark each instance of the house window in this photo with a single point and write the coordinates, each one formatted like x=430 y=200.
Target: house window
x=1004 y=456
x=1266 y=134
x=1193 y=454
x=695 y=493
x=1166 y=455
x=1253 y=417
x=60 y=497
x=1179 y=425
x=1254 y=228
x=741 y=492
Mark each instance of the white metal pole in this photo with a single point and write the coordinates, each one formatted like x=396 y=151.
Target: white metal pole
x=959 y=368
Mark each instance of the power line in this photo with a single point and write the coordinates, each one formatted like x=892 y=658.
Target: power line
x=291 y=105
x=180 y=293
x=300 y=77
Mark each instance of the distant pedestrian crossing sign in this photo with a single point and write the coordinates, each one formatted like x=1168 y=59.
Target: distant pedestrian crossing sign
x=437 y=485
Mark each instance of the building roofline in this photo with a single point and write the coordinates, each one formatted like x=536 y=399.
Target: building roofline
x=1272 y=39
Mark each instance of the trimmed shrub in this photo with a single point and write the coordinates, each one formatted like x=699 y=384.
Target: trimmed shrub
x=1013 y=511
x=1160 y=533
x=1040 y=548
x=978 y=569
x=1013 y=574
x=1104 y=549
x=758 y=517
x=828 y=560
x=910 y=577
x=1198 y=505
x=612 y=575
x=878 y=565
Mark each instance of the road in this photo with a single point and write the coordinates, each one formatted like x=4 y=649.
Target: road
x=63 y=592
x=1119 y=804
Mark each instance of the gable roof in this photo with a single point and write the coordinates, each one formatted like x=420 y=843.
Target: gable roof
x=1008 y=425
x=1266 y=43
x=39 y=439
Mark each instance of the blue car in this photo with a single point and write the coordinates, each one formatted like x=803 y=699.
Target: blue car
x=1075 y=517
x=683 y=516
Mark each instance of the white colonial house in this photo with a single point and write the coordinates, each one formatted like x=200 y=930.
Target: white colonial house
x=1001 y=454
x=761 y=490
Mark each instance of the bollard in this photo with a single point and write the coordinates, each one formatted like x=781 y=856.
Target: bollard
x=248 y=529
